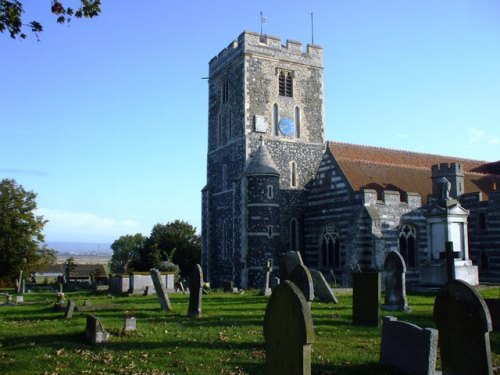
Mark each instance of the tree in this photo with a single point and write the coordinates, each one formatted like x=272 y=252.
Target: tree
x=11 y=15
x=20 y=232
x=69 y=267
x=175 y=242
x=125 y=249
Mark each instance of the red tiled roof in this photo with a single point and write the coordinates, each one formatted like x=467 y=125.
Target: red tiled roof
x=381 y=169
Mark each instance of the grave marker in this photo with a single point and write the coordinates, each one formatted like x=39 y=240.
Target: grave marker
x=70 y=307
x=321 y=288
x=464 y=323
x=288 y=262
x=395 y=282
x=195 y=291
x=129 y=323
x=268 y=268
x=408 y=348
x=302 y=278
x=366 y=298
x=288 y=331
x=94 y=331
x=161 y=292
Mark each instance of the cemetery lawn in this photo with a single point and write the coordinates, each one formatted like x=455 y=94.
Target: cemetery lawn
x=227 y=339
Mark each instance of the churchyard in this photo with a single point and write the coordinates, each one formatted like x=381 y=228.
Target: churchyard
x=226 y=338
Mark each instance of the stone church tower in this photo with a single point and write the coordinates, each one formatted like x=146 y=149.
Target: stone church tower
x=265 y=142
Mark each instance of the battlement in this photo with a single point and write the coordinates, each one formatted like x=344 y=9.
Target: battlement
x=251 y=43
x=391 y=198
x=447 y=169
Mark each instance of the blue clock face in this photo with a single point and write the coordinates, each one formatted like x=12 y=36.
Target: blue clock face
x=287 y=126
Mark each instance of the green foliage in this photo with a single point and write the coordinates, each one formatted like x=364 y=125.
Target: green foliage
x=11 y=15
x=69 y=266
x=125 y=249
x=20 y=232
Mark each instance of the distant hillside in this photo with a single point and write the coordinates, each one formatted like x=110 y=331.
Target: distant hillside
x=80 y=247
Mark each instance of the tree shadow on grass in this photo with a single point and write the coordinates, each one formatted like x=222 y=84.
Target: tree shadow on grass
x=370 y=368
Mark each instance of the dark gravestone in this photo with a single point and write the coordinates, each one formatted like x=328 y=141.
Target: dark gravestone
x=464 y=323
x=494 y=309
x=302 y=278
x=408 y=348
x=70 y=307
x=288 y=262
x=288 y=331
x=94 y=331
x=195 y=291
x=321 y=288
x=395 y=283
x=366 y=298
x=450 y=261
x=227 y=285
x=161 y=292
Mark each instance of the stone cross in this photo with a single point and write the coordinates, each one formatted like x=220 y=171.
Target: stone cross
x=464 y=323
x=408 y=348
x=268 y=268
x=288 y=331
x=161 y=292
x=195 y=291
x=450 y=261
x=94 y=331
x=366 y=298
x=395 y=283
x=302 y=278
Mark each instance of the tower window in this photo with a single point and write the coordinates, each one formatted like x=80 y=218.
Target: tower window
x=270 y=192
x=293 y=176
x=408 y=244
x=285 y=83
x=225 y=90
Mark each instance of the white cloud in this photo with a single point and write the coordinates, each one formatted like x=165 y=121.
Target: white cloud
x=399 y=135
x=84 y=226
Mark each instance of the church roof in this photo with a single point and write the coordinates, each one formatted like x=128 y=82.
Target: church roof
x=261 y=163
x=377 y=168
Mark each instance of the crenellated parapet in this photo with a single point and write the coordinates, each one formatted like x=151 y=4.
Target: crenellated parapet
x=251 y=43
x=391 y=198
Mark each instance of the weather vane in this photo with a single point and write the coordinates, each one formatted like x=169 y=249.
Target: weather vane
x=263 y=20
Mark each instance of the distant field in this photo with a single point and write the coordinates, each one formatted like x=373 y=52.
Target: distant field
x=85 y=259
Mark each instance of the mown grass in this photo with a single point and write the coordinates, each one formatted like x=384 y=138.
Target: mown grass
x=228 y=338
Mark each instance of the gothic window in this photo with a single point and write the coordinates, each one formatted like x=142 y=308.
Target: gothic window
x=285 y=83
x=225 y=90
x=297 y=122
x=275 y=119
x=294 y=235
x=408 y=244
x=330 y=247
x=224 y=177
x=293 y=174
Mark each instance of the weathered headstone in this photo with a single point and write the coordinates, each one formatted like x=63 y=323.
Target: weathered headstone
x=20 y=299
x=20 y=283
x=333 y=279
x=129 y=323
x=70 y=307
x=288 y=331
x=288 y=262
x=302 y=278
x=161 y=292
x=408 y=348
x=450 y=261
x=268 y=268
x=366 y=298
x=321 y=288
x=464 y=323
x=195 y=291
x=395 y=282
x=61 y=288
x=94 y=331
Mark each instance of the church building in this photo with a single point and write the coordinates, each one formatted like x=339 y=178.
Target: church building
x=274 y=184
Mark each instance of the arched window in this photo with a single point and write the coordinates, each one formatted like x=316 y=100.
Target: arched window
x=408 y=244
x=275 y=119
x=294 y=235
x=297 y=122
x=293 y=174
x=285 y=83
x=330 y=247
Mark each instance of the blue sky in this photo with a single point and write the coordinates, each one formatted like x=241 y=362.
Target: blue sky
x=107 y=119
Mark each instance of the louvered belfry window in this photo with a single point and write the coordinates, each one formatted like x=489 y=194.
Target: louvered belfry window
x=285 y=80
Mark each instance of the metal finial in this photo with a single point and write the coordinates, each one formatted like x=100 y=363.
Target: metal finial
x=263 y=20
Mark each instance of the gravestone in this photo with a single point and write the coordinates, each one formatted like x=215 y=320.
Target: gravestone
x=20 y=283
x=288 y=262
x=333 y=279
x=408 y=348
x=366 y=298
x=195 y=291
x=20 y=299
x=302 y=278
x=395 y=283
x=161 y=292
x=94 y=331
x=274 y=282
x=227 y=285
x=61 y=288
x=70 y=307
x=129 y=323
x=464 y=323
x=288 y=331
x=268 y=268
x=321 y=288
